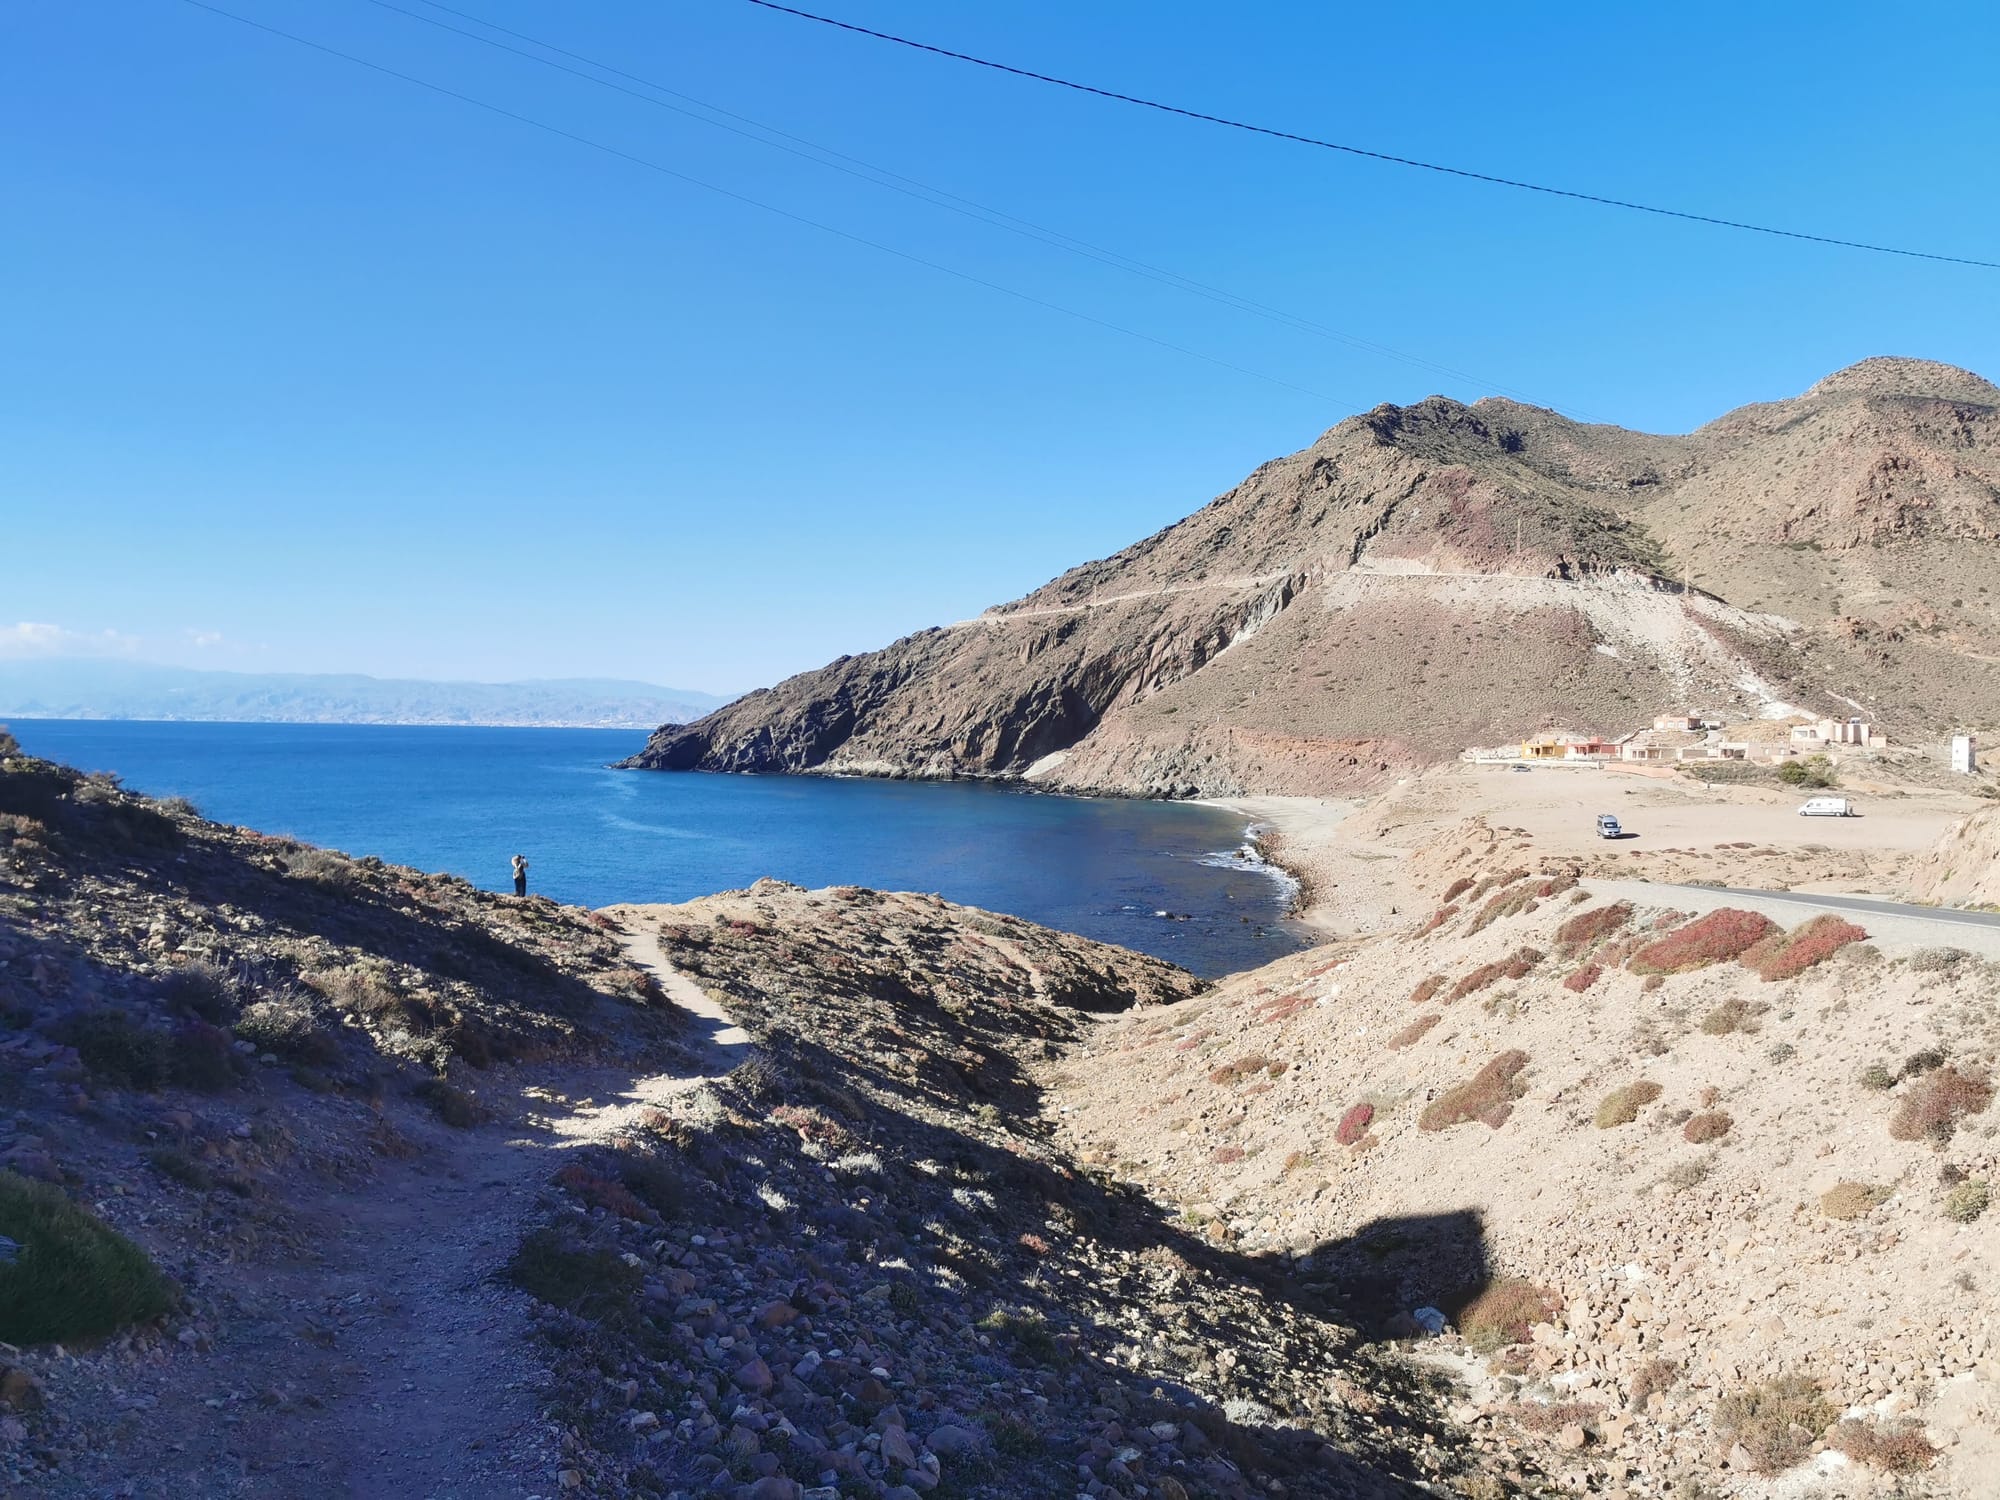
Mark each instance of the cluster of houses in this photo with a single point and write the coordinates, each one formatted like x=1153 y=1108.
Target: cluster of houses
x=1690 y=737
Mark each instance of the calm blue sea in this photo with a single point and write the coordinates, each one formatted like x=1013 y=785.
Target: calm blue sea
x=466 y=800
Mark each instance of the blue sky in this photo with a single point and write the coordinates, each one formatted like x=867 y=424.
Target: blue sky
x=307 y=368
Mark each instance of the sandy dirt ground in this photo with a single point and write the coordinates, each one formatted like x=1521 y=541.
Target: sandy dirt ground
x=1363 y=871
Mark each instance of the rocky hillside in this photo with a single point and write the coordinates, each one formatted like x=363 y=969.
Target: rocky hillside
x=322 y=1176
x=1691 y=1204
x=1964 y=868
x=1424 y=578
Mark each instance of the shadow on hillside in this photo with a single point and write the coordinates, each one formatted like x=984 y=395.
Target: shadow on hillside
x=1255 y=1324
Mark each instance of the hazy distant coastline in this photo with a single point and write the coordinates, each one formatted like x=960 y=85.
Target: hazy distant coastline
x=94 y=688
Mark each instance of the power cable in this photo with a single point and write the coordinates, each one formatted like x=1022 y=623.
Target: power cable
x=784 y=213
x=1382 y=156
x=924 y=192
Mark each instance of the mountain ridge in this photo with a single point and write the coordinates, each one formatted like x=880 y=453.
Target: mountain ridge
x=1426 y=577
x=94 y=688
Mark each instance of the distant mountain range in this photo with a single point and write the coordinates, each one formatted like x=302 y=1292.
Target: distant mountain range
x=93 y=688
x=1431 y=577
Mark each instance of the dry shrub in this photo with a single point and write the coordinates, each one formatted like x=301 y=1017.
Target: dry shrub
x=1457 y=888
x=1776 y=1422
x=1438 y=918
x=1587 y=929
x=1415 y=1029
x=1852 y=1200
x=1899 y=1447
x=1653 y=983
x=1579 y=980
x=1622 y=1106
x=1517 y=965
x=1488 y=1096
x=1653 y=1375
x=1932 y=1107
x=635 y=984
x=1429 y=987
x=1703 y=1128
x=1244 y=1067
x=1731 y=1015
x=1807 y=944
x=1225 y=1156
x=602 y=1192
x=1513 y=897
x=1504 y=1313
x=1724 y=933
x=452 y=1105
x=1354 y=1124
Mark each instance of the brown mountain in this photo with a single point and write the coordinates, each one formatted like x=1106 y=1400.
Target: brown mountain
x=1428 y=577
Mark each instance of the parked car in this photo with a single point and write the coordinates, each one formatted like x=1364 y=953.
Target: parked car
x=1607 y=827
x=1826 y=807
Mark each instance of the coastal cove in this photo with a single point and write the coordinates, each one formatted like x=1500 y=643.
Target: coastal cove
x=464 y=800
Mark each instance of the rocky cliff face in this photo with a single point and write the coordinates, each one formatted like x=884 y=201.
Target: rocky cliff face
x=1427 y=577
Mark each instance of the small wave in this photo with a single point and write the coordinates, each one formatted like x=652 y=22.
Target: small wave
x=1247 y=858
x=631 y=825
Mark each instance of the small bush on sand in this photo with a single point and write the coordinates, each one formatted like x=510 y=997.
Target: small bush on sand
x=1487 y=1096
x=1852 y=1200
x=1653 y=982
x=1579 y=980
x=1622 y=1106
x=1504 y=1314
x=323 y=867
x=1897 y=1447
x=1517 y=965
x=1932 y=1107
x=1776 y=1422
x=1723 y=934
x=74 y=1277
x=201 y=1056
x=1703 y=1128
x=1415 y=1029
x=1246 y=1067
x=1923 y=1060
x=1437 y=919
x=1512 y=898
x=1730 y=1016
x=1967 y=1201
x=1805 y=945
x=1457 y=888
x=1354 y=1124
x=1877 y=1076
x=1587 y=929
x=1937 y=960
x=1426 y=989
x=1029 y=1333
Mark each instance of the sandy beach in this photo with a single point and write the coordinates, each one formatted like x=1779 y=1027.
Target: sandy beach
x=1365 y=864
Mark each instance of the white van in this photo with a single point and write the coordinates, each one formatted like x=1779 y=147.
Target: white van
x=1826 y=807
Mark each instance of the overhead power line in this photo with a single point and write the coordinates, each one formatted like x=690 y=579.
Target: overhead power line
x=784 y=213
x=923 y=192
x=1362 y=151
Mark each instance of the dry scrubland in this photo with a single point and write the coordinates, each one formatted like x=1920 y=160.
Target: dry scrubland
x=1703 y=1198
x=228 y=1067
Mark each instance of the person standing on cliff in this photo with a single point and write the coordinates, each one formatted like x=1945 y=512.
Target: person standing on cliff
x=520 y=874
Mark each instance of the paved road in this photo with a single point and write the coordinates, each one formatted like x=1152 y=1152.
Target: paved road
x=1893 y=925
x=1868 y=904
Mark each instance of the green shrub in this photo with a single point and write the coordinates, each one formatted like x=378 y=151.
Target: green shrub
x=74 y=1277
x=1878 y=1077
x=1815 y=771
x=1967 y=1201
x=1028 y=1333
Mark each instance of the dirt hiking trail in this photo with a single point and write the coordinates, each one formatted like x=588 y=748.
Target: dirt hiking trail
x=394 y=1363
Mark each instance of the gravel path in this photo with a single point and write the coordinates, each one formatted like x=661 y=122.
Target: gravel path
x=394 y=1363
